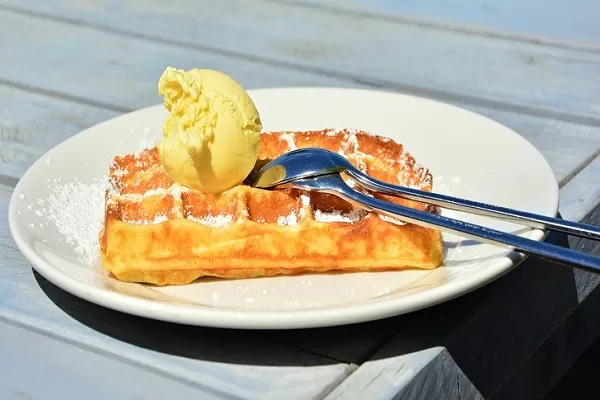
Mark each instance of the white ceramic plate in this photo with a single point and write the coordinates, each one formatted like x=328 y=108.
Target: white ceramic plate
x=56 y=212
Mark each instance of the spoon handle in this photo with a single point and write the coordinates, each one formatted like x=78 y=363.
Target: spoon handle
x=334 y=184
x=487 y=210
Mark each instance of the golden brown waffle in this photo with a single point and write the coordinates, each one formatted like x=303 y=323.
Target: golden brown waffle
x=158 y=232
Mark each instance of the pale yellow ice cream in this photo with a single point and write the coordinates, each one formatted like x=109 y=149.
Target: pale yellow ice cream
x=212 y=135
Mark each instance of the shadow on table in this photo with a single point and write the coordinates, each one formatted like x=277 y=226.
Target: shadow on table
x=488 y=332
x=322 y=346
x=497 y=330
x=248 y=347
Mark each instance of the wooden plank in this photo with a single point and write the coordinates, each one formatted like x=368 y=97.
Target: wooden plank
x=49 y=327
x=582 y=194
x=32 y=123
x=566 y=146
x=352 y=344
x=551 y=21
x=62 y=370
x=541 y=80
x=580 y=200
x=581 y=378
x=410 y=376
x=113 y=71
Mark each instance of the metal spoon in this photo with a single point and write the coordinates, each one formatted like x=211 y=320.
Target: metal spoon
x=334 y=184
x=312 y=162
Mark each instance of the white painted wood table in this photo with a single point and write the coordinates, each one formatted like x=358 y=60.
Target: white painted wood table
x=534 y=66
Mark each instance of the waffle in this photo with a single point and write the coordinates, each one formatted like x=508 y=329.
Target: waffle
x=158 y=232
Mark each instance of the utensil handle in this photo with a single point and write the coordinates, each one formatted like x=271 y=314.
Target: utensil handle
x=562 y=255
x=487 y=210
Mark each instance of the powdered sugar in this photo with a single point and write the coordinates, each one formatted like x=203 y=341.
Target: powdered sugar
x=176 y=190
x=158 y=218
x=337 y=216
x=352 y=140
x=155 y=192
x=289 y=140
x=77 y=210
x=390 y=219
x=290 y=220
x=305 y=199
x=338 y=131
x=216 y=221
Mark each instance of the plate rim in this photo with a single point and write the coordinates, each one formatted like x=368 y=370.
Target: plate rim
x=266 y=319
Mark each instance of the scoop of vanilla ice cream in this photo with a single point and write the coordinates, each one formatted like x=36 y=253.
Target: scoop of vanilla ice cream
x=212 y=135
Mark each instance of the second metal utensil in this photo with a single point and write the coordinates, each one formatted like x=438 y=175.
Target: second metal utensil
x=334 y=184
x=312 y=162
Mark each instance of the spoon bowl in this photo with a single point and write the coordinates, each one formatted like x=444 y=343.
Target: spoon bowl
x=300 y=164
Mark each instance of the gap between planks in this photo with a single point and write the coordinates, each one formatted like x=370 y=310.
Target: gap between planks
x=372 y=82
x=8 y=180
x=64 y=96
x=362 y=12
x=585 y=163
x=50 y=333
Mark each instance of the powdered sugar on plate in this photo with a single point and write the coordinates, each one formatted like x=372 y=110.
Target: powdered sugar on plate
x=77 y=210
